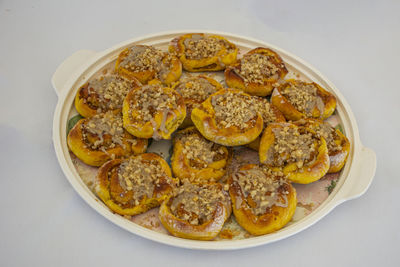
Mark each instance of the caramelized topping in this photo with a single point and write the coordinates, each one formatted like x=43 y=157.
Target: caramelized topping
x=195 y=88
x=326 y=131
x=199 y=47
x=262 y=188
x=107 y=130
x=234 y=109
x=196 y=203
x=143 y=177
x=292 y=145
x=303 y=96
x=147 y=58
x=108 y=92
x=150 y=99
x=199 y=150
x=254 y=68
x=264 y=108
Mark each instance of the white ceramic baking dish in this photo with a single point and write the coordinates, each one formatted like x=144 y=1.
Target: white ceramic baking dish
x=79 y=67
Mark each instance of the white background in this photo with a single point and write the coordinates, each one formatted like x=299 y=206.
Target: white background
x=43 y=222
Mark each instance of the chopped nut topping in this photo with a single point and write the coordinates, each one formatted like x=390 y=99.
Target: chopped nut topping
x=199 y=47
x=254 y=68
x=234 y=109
x=107 y=92
x=195 y=90
x=107 y=130
x=292 y=145
x=326 y=131
x=199 y=150
x=147 y=58
x=261 y=188
x=303 y=96
x=143 y=177
x=264 y=108
x=196 y=203
x=150 y=99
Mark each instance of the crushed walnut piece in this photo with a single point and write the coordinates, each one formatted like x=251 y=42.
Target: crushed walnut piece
x=147 y=58
x=326 y=131
x=292 y=145
x=199 y=151
x=107 y=92
x=264 y=108
x=254 y=68
x=150 y=99
x=196 y=203
x=199 y=46
x=195 y=90
x=303 y=96
x=143 y=177
x=234 y=109
x=107 y=130
x=262 y=188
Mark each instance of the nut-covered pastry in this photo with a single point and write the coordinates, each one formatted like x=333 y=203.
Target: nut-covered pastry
x=263 y=201
x=269 y=113
x=103 y=94
x=228 y=117
x=298 y=152
x=196 y=211
x=256 y=72
x=297 y=99
x=134 y=185
x=196 y=158
x=200 y=52
x=100 y=138
x=195 y=90
x=338 y=144
x=146 y=63
x=153 y=111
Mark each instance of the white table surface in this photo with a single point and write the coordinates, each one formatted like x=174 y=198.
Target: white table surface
x=45 y=223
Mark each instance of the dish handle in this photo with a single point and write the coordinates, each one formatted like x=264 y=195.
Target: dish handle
x=364 y=172
x=68 y=66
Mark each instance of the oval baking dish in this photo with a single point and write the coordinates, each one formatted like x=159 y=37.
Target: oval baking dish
x=353 y=181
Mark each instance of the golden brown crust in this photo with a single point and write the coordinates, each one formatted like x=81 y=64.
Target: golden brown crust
x=218 y=61
x=207 y=230
x=264 y=84
x=120 y=200
x=338 y=144
x=169 y=72
x=96 y=157
x=292 y=113
x=205 y=121
x=195 y=168
x=273 y=219
x=163 y=122
x=306 y=173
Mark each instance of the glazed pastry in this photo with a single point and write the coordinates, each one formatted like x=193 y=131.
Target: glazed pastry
x=298 y=152
x=196 y=211
x=297 y=99
x=229 y=118
x=269 y=113
x=146 y=63
x=134 y=185
x=262 y=201
x=196 y=158
x=153 y=111
x=194 y=90
x=103 y=94
x=200 y=52
x=338 y=144
x=100 y=138
x=256 y=72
